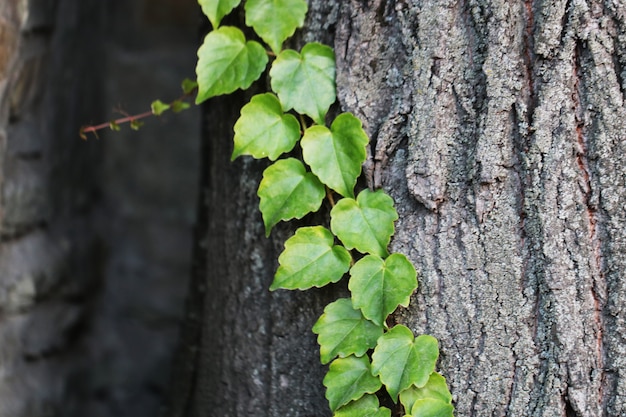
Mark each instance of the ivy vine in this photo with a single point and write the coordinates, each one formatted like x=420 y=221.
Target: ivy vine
x=364 y=354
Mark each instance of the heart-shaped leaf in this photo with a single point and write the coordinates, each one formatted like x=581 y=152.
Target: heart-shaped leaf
x=349 y=379
x=310 y=260
x=215 y=10
x=227 y=62
x=305 y=81
x=263 y=130
x=435 y=389
x=379 y=285
x=335 y=155
x=366 y=406
x=288 y=191
x=402 y=360
x=343 y=331
x=275 y=20
x=365 y=223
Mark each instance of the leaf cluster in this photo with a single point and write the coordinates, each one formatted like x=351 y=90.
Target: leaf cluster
x=363 y=353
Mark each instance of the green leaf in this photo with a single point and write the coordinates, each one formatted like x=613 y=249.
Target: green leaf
x=436 y=388
x=189 y=85
x=349 y=379
x=366 y=406
x=310 y=260
x=263 y=130
x=179 y=105
x=275 y=20
x=227 y=62
x=431 y=407
x=379 y=285
x=343 y=331
x=305 y=81
x=158 y=107
x=215 y=10
x=402 y=361
x=335 y=155
x=365 y=223
x=288 y=191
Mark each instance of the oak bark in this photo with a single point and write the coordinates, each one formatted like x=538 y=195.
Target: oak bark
x=498 y=127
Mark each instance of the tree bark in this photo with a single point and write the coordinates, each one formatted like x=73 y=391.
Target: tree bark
x=497 y=126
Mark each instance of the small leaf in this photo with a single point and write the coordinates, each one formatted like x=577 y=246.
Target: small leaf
x=343 y=331
x=179 y=105
x=275 y=20
x=379 y=285
x=310 y=260
x=136 y=124
x=366 y=406
x=305 y=81
x=365 y=223
x=215 y=10
x=431 y=407
x=436 y=388
x=158 y=107
x=335 y=155
x=402 y=361
x=227 y=62
x=288 y=191
x=114 y=126
x=189 y=85
x=349 y=379
x=263 y=130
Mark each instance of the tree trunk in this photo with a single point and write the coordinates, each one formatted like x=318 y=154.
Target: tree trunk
x=497 y=126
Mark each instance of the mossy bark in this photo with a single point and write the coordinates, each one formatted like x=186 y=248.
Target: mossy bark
x=498 y=127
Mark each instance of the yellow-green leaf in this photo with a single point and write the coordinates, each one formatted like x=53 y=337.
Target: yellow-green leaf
x=275 y=20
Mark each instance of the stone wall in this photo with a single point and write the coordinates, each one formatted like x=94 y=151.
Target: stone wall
x=94 y=236
x=49 y=85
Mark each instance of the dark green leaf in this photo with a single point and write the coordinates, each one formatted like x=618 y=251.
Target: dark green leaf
x=263 y=130
x=227 y=62
x=305 y=81
x=275 y=20
x=365 y=223
x=402 y=361
x=287 y=191
x=343 y=331
x=349 y=379
x=335 y=155
x=189 y=85
x=379 y=285
x=310 y=260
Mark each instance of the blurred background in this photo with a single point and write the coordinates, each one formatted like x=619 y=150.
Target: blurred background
x=95 y=236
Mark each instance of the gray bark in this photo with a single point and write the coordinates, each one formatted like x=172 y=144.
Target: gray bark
x=497 y=126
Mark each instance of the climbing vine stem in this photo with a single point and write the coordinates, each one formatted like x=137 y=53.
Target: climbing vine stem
x=367 y=359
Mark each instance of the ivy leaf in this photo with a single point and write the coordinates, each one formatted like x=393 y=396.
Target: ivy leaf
x=349 y=379
x=402 y=361
x=366 y=406
x=263 y=130
x=311 y=260
x=335 y=155
x=275 y=20
x=305 y=81
x=435 y=389
x=158 y=107
x=215 y=10
x=431 y=407
x=227 y=62
x=188 y=86
x=365 y=223
x=288 y=191
x=343 y=331
x=379 y=285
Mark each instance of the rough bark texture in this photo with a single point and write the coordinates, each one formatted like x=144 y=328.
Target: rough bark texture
x=498 y=126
